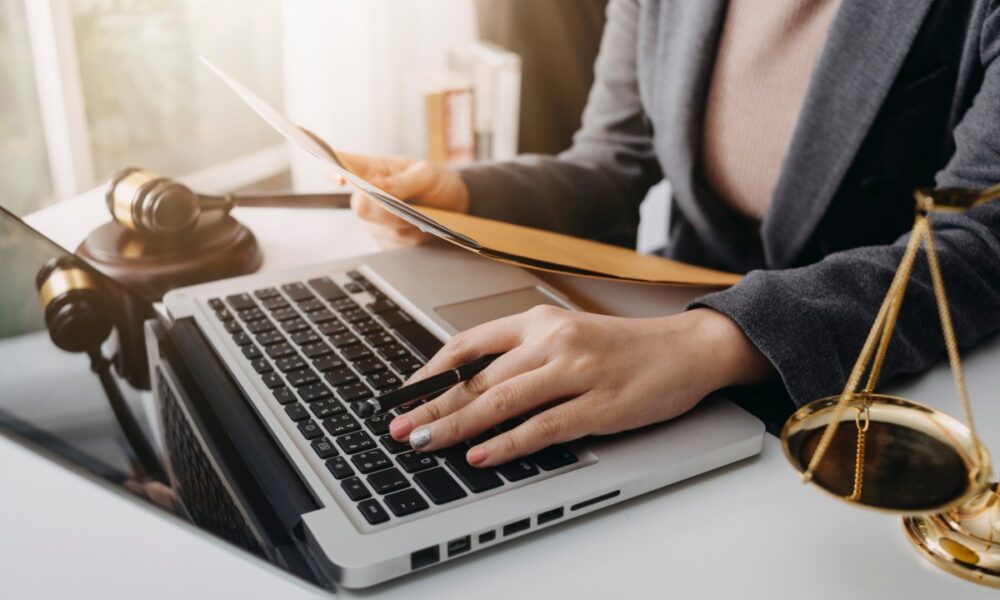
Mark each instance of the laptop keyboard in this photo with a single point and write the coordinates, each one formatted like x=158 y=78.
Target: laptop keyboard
x=319 y=346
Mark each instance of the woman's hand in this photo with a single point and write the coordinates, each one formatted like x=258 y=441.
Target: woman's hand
x=407 y=179
x=580 y=374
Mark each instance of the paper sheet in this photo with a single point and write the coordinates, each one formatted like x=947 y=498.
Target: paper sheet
x=522 y=246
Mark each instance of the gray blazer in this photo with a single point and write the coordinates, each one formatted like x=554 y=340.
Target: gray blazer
x=906 y=93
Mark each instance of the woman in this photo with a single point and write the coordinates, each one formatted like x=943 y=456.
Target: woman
x=792 y=134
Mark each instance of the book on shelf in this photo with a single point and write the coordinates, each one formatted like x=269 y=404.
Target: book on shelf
x=495 y=75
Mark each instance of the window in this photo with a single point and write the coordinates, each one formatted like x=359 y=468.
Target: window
x=25 y=181
x=106 y=84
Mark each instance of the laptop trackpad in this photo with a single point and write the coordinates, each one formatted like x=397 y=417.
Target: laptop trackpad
x=463 y=315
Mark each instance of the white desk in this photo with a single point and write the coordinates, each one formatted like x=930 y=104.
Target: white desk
x=749 y=530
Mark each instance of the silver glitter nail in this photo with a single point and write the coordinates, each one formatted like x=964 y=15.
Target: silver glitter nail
x=420 y=437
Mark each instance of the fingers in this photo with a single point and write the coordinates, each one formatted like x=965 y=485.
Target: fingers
x=562 y=423
x=503 y=369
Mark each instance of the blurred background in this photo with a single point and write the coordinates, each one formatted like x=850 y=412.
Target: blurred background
x=91 y=86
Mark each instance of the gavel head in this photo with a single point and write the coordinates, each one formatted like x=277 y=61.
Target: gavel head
x=151 y=205
x=76 y=311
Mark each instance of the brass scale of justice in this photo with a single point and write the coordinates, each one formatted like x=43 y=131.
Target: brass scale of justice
x=901 y=457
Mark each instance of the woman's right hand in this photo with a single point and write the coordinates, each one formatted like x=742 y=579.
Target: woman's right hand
x=408 y=179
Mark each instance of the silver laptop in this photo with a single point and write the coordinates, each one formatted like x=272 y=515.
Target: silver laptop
x=301 y=345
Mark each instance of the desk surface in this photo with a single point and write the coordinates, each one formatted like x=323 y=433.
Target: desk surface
x=62 y=535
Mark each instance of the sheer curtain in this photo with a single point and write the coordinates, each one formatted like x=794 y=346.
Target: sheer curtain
x=353 y=71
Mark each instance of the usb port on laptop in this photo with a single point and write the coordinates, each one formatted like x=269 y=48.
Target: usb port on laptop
x=516 y=527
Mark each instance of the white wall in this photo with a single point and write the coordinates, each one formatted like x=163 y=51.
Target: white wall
x=352 y=71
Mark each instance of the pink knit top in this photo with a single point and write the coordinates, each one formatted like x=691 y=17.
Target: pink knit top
x=765 y=61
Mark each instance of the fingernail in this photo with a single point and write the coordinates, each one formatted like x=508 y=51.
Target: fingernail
x=476 y=456
x=420 y=437
x=400 y=427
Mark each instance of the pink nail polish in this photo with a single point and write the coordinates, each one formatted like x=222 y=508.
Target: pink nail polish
x=476 y=456
x=400 y=427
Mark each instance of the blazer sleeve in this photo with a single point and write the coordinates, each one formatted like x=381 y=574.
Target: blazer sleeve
x=811 y=322
x=593 y=189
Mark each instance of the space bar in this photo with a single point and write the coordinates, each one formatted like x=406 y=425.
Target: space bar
x=422 y=340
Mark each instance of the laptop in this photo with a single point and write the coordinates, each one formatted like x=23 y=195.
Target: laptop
x=252 y=383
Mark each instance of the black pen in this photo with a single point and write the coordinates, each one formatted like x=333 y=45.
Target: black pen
x=423 y=388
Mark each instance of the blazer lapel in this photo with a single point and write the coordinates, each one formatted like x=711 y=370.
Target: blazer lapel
x=866 y=46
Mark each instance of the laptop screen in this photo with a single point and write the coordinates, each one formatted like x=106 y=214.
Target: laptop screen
x=57 y=317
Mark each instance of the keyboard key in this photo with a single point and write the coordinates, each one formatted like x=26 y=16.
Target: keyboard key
x=476 y=479
x=355 y=489
x=294 y=325
x=310 y=429
x=305 y=337
x=405 y=502
x=316 y=349
x=341 y=423
x=273 y=304
x=339 y=467
x=302 y=377
x=371 y=461
x=265 y=293
x=242 y=339
x=380 y=339
x=422 y=340
x=327 y=289
x=367 y=327
x=234 y=327
x=394 y=352
x=379 y=424
x=324 y=448
x=354 y=287
x=297 y=291
x=356 y=275
x=325 y=409
x=223 y=315
x=313 y=392
x=383 y=381
x=311 y=305
x=416 y=461
x=369 y=365
x=331 y=328
x=250 y=314
x=270 y=337
x=355 y=352
x=261 y=365
x=439 y=486
x=553 y=457
x=272 y=380
x=216 y=304
x=328 y=363
x=344 y=304
x=373 y=511
x=290 y=363
x=406 y=366
x=251 y=352
x=283 y=395
x=354 y=316
x=341 y=340
x=285 y=314
x=516 y=470
x=352 y=443
x=241 y=301
x=381 y=306
x=395 y=318
x=387 y=481
x=392 y=446
x=352 y=392
x=321 y=316
x=279 y=350
x=459 y=448
x=296 y=412
x=341 y=376
x=258 y=327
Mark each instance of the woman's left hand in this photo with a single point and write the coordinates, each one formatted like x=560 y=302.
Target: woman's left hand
x=580 y=374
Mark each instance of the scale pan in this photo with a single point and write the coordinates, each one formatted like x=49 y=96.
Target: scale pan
x=916 y=460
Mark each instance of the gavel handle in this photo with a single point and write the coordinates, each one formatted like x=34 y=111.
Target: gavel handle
x=286 y=200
